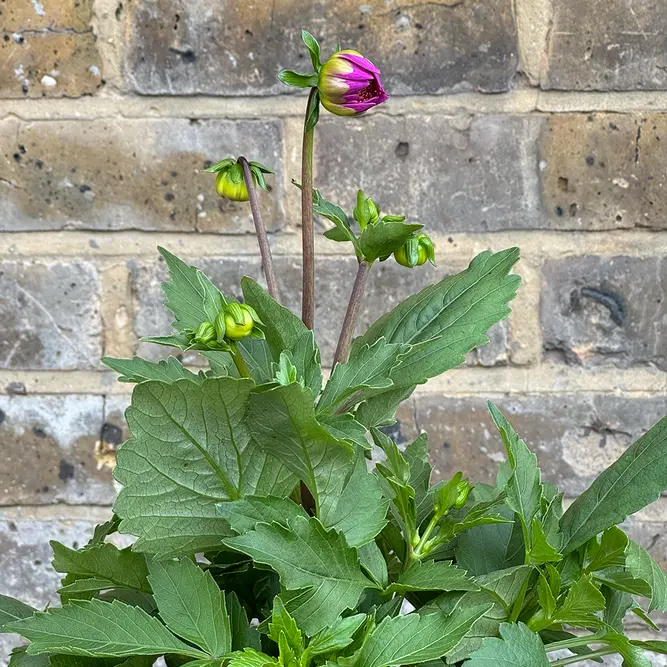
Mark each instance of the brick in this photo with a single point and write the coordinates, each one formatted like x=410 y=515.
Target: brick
x=388 y=284
x=456 y=174
x=239 y=48
x=49 y=446
x=575 y=437
x=604 y=171
x=131 y=174
x=49 y=315
x=51 y=49
x=607 y=45
x=25 y=561
x=605 y=311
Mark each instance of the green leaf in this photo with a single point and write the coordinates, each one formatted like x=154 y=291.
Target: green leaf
x=20 y=658
x=433 y=576
x=337 y=636
x=283 y=623
x=446 y=320
x=625 y=582
x=380 y=410
x=608 y=552
x=139 y=370
x=641 y=566
x=360 y=511
x=312 y=111
x=243 y=515
x=191 y=605
x=364 y=375
x=519 y=647
x=241 y=633
x=100 y=630
x=220 y=166
x=633 y=655
x=545 y=596
x=306 y=358
x=338 y=235
x=191 y=296
x=374 y=563
x=617 y=605
x=654 y=645
x=343 y=426
x=258 y=359
x=250 y=657
x=412 y=639
x=313 y=47
x=541 y=551
x=13 y=610
x=290 y=78
x=342 y=231
x=383 y=238
x=190 y=450
x=282 y=422
x=635 y=480
x=582 y=601
x=307 y=556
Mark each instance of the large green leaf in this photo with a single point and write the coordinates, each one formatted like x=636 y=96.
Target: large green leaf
x=641 y=566
x=519 y=647
x=635 y=480
x=244 y=514
x=582 y=601
x=191 y=605
x=336 y=637
x=13 y=610
x=283 y=424
x=100 y=630
x=433 y=576
x=446 y=320
x=412 y=639
x=140 y=370
x=380 y=410
x=383 y=238
x=20 y=658
x=360 y=510
x=191 y=296
x=307 y=556
x=190 y=450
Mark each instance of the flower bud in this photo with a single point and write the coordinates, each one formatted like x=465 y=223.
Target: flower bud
x=462 y=492
x=204 y=334
x=415 y=251
x=349 y=84
x=229 y=184
x=235 y=322
x=374 y=212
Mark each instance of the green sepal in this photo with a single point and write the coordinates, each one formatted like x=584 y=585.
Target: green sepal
x=220 y=166
x=362 y=212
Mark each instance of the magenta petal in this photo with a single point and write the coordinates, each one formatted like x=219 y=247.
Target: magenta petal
x=359 y=107
x=361 y=62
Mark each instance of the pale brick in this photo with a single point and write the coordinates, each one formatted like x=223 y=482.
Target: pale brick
x=49 y=315
x=50 y=451
x=451 y=174
x=73 y=15
x=607 y=45
x=597 y=311
x=604 y=171
x=131 y=174
x=238 y=48
x=575 y=437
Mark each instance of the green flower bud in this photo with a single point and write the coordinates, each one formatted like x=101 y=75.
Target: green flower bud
x=462 y=492
x=374 y=212
x=235 y=322
x=204 y=334
x=229 y=184
x=447 y=495
x=415 y=251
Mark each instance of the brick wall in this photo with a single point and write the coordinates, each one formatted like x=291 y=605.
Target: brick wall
x=538 y=123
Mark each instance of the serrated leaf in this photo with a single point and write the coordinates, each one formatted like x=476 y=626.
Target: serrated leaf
x=140 y=370
x=307 y=556
x=336 y=637
x=244 y=514
x=608 y=552
x=343 y=426
x=282 y=623
x=364 y=375
x=383 y=238
x=617 y=605
x=518 y=647
x=251 y=657
x=446 y=320
x=582 y=601
x=633 y=655
x=541 y=551
x=433 y=576
x=545 y=596
x=641 y=566
x=190 y=450
x=20 y=658
x=191 y=296
x=100 y=630
x=242 y=634
x=191 y=605
x=635 y=480
x=283 y=424
x=416 y=454
x=13 y=610
x=360 y=511
x=654 y=645
x=342 y=231
x=380 y=410
x=374 y=563
x=412 y=639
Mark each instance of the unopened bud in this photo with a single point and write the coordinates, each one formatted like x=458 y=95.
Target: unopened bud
x=462 y=492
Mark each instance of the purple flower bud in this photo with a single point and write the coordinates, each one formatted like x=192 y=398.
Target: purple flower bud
x=349 y=84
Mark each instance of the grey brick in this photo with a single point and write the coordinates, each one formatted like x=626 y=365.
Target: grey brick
x=238 y=49
x=131 y=174
x=49 y=315
x=451 y=174
x=49 y=451
x=598 y=311
x=604 y=171
x=575 y=437
x=607 y=45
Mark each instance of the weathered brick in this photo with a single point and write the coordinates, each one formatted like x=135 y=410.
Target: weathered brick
x=451 y=174
x=604 y=171
x=607 y=45
x=239 y=48
x=49 y=315
x=49 y=446
x=575 y=437
x=388 y=284
x=25 y=561
x=49 y=49
x=597 y=311
x=131 y=174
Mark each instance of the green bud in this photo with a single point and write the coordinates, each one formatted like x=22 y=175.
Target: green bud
x=230 y=183
x=415 y=251
x=463 y=491
x=447 y=495
x=204 y=334
x=374 y=212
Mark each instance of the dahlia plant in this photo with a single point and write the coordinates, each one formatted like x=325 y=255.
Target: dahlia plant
x=264 y=536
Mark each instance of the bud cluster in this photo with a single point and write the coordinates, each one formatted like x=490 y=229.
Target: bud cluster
x=234 y=322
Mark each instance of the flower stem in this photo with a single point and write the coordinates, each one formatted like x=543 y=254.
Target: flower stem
x=238 y=361
x=307 y=233
x=579 y=658
x=571 y=642
x=353 y=307
x=260 y=229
